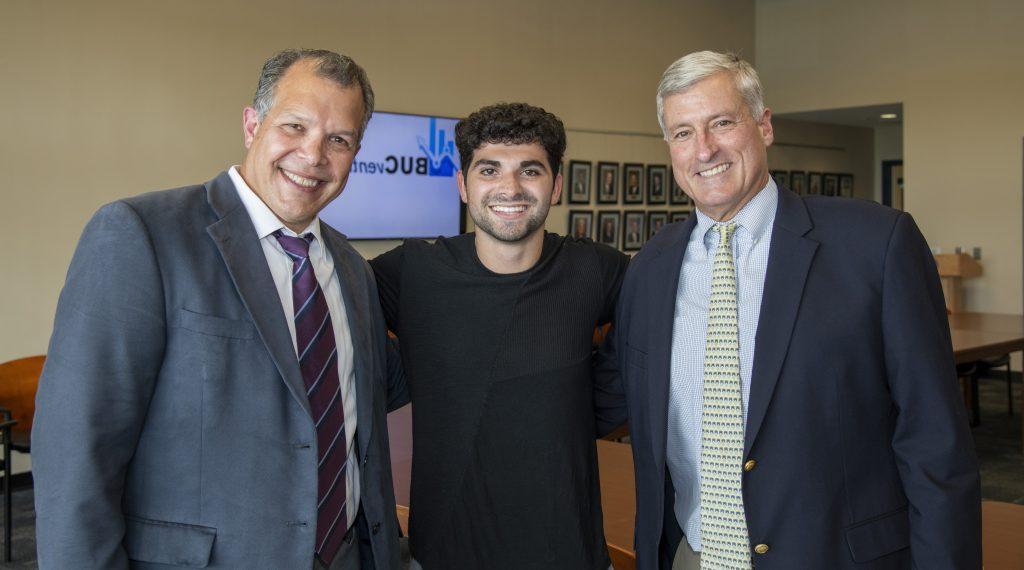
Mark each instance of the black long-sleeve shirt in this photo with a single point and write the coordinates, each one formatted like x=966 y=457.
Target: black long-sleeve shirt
x=504 y=470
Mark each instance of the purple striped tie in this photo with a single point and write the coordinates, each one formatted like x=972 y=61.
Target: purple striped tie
x=318 y=359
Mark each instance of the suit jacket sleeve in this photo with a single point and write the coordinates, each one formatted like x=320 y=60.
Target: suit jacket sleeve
x=932 y=441
x=104 y=356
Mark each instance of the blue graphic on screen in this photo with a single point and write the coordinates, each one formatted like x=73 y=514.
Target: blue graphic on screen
x=402 y=182
x=441 y=152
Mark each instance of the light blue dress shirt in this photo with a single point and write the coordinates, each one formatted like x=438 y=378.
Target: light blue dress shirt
x=751 y=242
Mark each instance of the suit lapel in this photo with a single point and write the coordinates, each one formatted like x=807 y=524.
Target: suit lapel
x=662 y=286
x=354 y=293
x=789 y=260
x=235 y=237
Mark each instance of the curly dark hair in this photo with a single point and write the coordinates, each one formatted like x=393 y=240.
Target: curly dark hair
x=511 y=123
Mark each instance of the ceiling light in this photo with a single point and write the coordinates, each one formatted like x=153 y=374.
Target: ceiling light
x=888 y=116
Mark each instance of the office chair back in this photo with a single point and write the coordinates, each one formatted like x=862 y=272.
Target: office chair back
x=18 y=382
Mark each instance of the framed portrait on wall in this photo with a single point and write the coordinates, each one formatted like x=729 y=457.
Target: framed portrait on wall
x=607 y=183
x=680 y=215
x=632 y=184
x=561 y=197
x=656 y=187
x=635 y=230
x=781 y=178
x=581 y=224
x=579 y=182
x=656 y=221
x=798 y=181
x=608 y=227
x=846 y=185
x=676 y=196
x=830 y=184
x=813 y=183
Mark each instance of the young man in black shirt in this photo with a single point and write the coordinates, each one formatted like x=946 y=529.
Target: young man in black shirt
x=496 y=330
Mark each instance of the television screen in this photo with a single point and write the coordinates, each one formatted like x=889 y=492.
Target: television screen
x=402 y=182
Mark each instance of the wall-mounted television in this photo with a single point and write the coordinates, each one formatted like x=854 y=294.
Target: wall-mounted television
x=402 y=183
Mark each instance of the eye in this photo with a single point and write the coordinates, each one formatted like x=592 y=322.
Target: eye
x=681 y=135
x=294 y=127
x=341 y=141
x=488 y=171
x=531 y=172
x=723 y=123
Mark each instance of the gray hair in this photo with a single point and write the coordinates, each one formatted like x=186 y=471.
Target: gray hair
x=336 y=67
x=699 y=65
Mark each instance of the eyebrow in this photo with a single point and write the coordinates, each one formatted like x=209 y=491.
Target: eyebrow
x=296 y=116
x=535 y=163
x=486 y=162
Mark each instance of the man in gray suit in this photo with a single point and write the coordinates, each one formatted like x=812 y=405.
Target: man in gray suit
x=216 y=386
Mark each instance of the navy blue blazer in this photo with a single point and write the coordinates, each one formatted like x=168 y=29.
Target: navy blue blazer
x=864 y=458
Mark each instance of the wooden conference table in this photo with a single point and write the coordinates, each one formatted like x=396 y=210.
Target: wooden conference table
x=987 y=335
x=975 y=335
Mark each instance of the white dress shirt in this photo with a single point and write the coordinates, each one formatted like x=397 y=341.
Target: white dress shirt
x=266 y=223
x=750 y=244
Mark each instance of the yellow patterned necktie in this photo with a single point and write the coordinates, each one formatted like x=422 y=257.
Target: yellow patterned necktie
x=723 y=526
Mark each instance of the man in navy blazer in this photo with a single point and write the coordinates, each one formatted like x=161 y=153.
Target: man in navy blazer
x=188 y=415
x=854 y=449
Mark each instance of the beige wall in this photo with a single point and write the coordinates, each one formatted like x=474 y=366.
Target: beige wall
x=958 y=69
x=109 y=99
x=815 y=147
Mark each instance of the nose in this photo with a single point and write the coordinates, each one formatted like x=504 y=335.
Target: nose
x=312 y=150
x=706 y=146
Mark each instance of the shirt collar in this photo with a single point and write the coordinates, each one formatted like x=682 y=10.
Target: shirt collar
x=263 y=218
x=754 y=218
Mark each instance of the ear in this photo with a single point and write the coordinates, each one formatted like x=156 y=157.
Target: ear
x=463 y=194
x=250 y=123
x=767 y=131
x=557 y=193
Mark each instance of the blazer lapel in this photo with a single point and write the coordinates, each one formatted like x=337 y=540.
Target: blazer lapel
x=789 y=260
x=235 y=237
x=662 y=287
x=354 y=293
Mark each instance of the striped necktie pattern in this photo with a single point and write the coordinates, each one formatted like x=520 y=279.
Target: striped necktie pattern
x=723 y=527
x=318 y=360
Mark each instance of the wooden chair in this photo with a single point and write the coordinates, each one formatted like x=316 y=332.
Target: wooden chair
x=18 y=381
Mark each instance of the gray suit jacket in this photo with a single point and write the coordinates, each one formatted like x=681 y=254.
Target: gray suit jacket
x=172 y=425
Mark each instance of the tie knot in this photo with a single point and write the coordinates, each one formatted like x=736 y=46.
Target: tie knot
x=725 y=231
x=296 y=246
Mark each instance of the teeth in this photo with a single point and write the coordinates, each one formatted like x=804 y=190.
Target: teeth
x=509 y=209
x=301 y=181
x=716 y=170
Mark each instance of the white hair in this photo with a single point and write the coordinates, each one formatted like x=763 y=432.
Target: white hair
x=690 y=69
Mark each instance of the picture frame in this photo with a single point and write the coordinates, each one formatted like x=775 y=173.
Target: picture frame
x=656 y=178
x=607 y=183
x=656 y=220
x=581 y=224
x=579 y=181
x=676 y=196
x=813 y=183
x=561 y=195
x=830 y=184
x=798 y=181
x=634 y=234
x=781 y=178
x=609 y=227
x=846 y=185
x=679 y=215
x=632 y=184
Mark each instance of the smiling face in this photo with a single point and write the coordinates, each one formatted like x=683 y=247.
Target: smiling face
x=300 y=153
x=509 y=190
x=719 y=152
